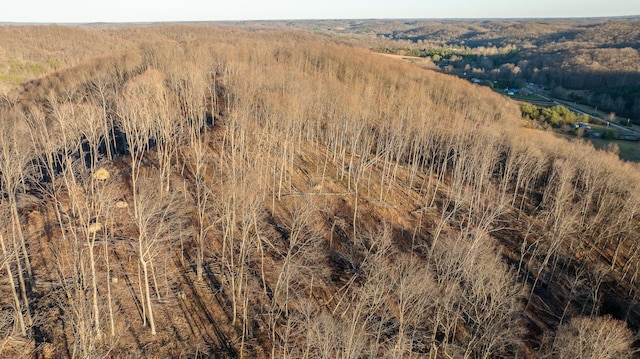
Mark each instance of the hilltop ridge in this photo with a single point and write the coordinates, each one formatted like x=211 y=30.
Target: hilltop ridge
x=175 y=190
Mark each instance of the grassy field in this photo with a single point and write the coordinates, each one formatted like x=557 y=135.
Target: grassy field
x=628 y=150
x=528 y=98
x=604 y=129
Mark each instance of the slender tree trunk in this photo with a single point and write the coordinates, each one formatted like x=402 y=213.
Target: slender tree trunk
x=106 y=259
x=23 y=286
x=17 y=228
x=147 y=292
x=16 y=298
x=94 y=285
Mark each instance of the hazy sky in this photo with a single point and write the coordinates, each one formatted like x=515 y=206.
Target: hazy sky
x=61 y=11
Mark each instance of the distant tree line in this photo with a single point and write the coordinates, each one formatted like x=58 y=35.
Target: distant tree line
x=598 y=58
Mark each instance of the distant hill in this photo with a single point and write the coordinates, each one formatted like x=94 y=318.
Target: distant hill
x=596 y=55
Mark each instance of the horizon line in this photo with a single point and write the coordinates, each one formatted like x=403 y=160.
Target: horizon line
x=150 y=22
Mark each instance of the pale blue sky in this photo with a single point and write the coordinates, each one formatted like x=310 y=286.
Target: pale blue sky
x=62 y=11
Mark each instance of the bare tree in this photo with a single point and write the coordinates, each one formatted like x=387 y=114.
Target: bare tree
x=301 y=259
x=160 y=220
x=412 y=295
x=103 y=96
x=559 y=218
x=198 y=162
x=584 y=337
x=7 y=258
x=72 y=298
x=136 y=121
x=14 y=156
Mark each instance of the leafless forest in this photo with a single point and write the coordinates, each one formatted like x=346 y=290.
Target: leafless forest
x=593 y=61
x=193 y=191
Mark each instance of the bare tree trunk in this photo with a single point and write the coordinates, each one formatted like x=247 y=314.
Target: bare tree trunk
x=16 y=299
x=94 y=286
x=109 y=278
x=17 y=228
x=23 y=287
x=147 y=291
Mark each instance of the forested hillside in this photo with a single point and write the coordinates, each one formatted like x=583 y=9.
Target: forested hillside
x=594 y=61
x=193 y=191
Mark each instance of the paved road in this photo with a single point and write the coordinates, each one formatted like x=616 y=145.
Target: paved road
x=604 y=122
